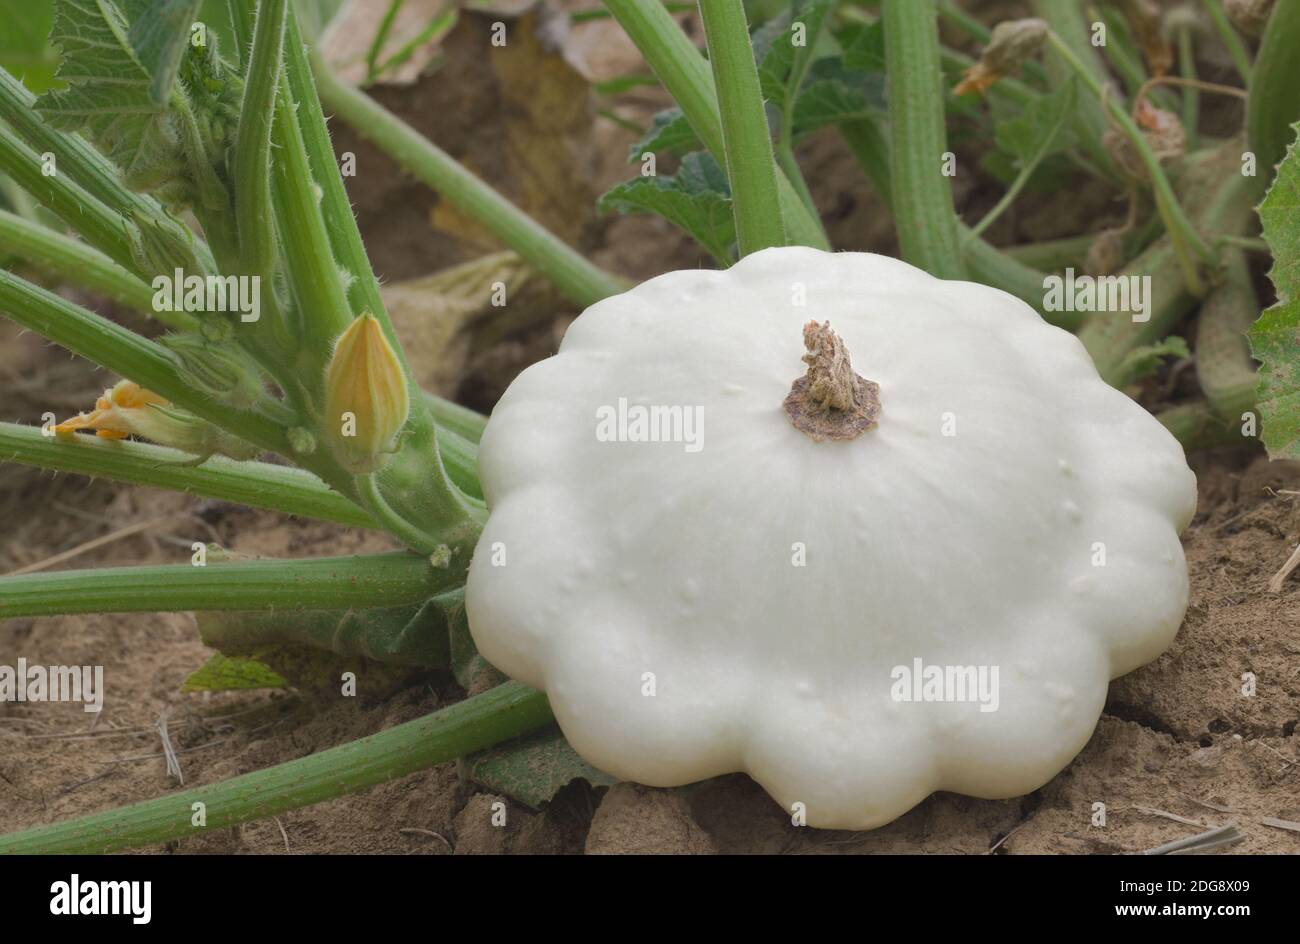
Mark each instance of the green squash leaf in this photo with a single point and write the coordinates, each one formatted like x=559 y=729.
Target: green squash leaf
x=696 y=199
x=1275 y=337
x=669 y=131
x=863 y=45
x=784 y=52
x=411 y=635
x=226 y=673
x=1040 y=129
x=120 y=63
x=25 y=51
x=159 y=38
x=533 y=768
x=1142 y=361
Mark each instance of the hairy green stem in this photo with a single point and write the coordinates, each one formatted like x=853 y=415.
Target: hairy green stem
x=128 y=354
x=573 y=274
x=94 y=173
x=254 y=214
x=58 y=193
x=309 y=257
x=497 y=715
x=77 y=262
x=258 y=484
x=409 y=534
x=319 y=583
x=746 y=138
x=921 y=195
x=461 y=420
x=686 y=74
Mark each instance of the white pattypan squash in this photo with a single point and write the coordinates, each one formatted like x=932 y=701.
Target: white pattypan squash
x=934 y=601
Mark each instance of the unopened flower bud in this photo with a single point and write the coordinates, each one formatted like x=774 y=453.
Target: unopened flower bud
x=366 y=400
x=1011 y=45
x=225 y=372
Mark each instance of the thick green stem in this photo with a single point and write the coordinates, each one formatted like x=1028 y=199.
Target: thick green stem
x=94 y=173
x=320 y=583
x=922 y=198
x=128 y=354
x=1197 y=426
x=746 y=138
x=258 y=484
x=76 y=207
x=77 y=262
x=461 y=420
x=254 y=215
x=1274 y=105
x=1223 y=362
x=686 y=74
x=497 y=715
x=408 y=533
x=576 y=277
x=1232 y=42
x=309 y=257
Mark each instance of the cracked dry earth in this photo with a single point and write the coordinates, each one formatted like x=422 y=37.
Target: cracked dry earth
x=1179 y=750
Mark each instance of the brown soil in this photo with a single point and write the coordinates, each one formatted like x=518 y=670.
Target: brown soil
x=1180 y=748
x=1178 y=739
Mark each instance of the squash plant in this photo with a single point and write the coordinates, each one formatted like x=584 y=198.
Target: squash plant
x=176 y=159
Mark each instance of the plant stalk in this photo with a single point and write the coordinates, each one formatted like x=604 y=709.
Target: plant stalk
x=687 y=76
x=257 y=484
x=497 y=715
x=746 y=138
x=921 y=196
x=576 y=277
x=315 y=584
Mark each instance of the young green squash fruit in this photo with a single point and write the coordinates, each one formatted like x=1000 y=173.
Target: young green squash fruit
x=759 y=593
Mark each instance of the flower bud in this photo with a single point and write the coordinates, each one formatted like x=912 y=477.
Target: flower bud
x=127 y=409
x=225 y=372
x=1011 y=45
x=366 y=401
